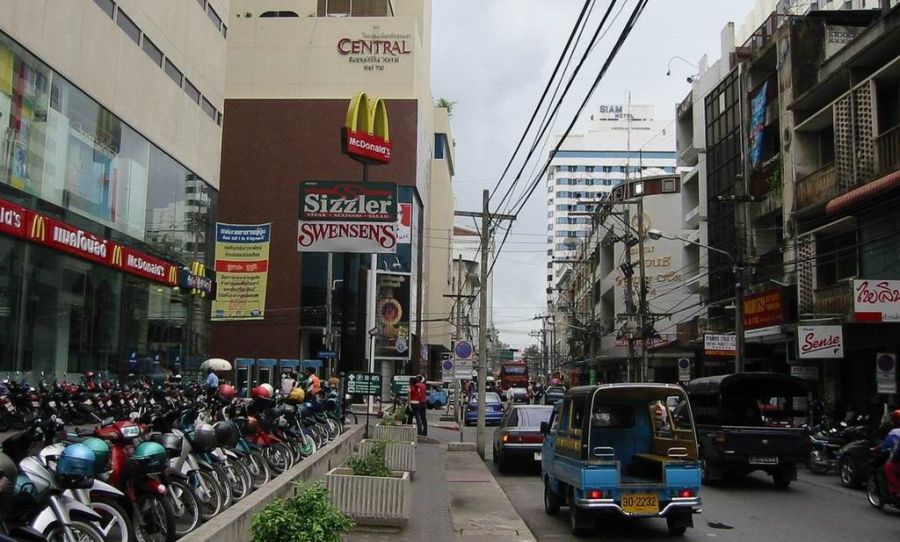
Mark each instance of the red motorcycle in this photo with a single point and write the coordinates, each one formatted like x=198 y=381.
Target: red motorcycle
x=138 y=471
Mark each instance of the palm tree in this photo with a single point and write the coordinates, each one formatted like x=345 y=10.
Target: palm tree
x=446 y=104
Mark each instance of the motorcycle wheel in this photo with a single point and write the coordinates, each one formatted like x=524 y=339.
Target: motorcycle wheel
x=332 y=429
x=4 y=423
x=816 y=463
x=186 y=507
x=258 y=468
x=277 y=458
x=79 y=530
x=238 y=478
x=847 y=470
x=154 y=519
x=209 y=494
x=18 y=420
x=873 y=494
x=220 y=476
x=307 y=445
x=115 y=525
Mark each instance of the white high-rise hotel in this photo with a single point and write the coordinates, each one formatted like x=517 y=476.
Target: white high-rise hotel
x=620 y=141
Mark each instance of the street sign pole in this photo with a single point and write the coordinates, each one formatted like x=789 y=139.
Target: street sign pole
x=368 y=384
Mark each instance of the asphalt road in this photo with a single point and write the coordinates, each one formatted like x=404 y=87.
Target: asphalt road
x=751 y=509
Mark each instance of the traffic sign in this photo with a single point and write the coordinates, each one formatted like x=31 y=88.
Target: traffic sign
x=463 y=368
x=400 y=385
x=684 y=369
x=463 y=350
x=363 y=383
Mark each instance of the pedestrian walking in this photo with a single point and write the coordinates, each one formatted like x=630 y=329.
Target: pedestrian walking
x=313 y=384
x=412 y=401
x=212 y=382
x=422 y=407
x=287 y=383
x=334 y=382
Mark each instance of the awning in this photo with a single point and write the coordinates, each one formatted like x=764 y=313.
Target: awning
x=863 y=193
x=289 y=363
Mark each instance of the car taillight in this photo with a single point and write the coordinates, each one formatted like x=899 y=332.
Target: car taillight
x=720 y=438
x=687 y=493
x=505 y=438
x=595 y=494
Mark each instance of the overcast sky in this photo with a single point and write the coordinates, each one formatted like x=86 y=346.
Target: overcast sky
x=493 y=58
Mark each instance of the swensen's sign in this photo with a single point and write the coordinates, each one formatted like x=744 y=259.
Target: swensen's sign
x=820 y=342
x=347 y=217
x=876 y=300
x=56 y=234
x=366 y=136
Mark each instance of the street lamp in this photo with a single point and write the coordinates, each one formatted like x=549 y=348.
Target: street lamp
x=738 y=293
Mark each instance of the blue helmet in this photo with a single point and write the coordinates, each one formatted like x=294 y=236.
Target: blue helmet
x=75 y=468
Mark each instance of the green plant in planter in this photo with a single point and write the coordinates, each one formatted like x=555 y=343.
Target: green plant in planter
x=371 y=464
x=308 y=516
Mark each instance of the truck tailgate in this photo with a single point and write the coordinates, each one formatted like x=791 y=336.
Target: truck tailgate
x=764 y=441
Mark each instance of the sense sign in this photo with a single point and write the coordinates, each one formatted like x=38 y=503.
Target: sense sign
x=363 y=383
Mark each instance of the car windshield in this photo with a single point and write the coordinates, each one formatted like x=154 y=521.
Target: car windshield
x=532 y=417
x=489 y=397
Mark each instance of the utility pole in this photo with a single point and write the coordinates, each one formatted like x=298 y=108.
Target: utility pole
x=486 y=236
x=629 y=298
x=642 y=290
x=458 y=402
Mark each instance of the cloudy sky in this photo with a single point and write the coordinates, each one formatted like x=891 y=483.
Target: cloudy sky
x=493 y=58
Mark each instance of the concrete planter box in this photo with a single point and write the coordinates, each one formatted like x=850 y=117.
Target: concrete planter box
x=398 y=456
x=398 y=433
x=370 y=500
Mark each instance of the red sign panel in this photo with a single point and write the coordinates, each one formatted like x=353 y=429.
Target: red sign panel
x=49 y=232
x=12 y=219
x=763 y=310
x=367 y=146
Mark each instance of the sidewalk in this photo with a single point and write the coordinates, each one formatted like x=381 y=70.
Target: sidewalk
x=455 y=499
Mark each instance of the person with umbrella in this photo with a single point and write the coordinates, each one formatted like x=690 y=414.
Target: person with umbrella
x=212 y=381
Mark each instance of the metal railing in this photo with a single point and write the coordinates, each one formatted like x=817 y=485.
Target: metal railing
x=817 y=187
x=888 y=145
x=837 y=299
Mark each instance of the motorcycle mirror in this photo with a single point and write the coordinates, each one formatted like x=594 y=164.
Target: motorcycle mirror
x=106 y=422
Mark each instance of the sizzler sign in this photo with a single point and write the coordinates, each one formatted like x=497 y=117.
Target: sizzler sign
x=347 y=217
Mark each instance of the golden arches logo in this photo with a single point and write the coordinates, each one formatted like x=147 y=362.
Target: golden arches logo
x=366 y=134
x=173 y=275
x=117 y=255
x=373 y=114
x=198 y=270
x=38 y=228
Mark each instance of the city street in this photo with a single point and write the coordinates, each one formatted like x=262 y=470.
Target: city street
x=814 y=508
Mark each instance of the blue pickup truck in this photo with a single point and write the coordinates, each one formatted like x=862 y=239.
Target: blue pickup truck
x=622 y=449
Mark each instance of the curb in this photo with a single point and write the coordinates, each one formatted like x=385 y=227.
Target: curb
x=233 y=524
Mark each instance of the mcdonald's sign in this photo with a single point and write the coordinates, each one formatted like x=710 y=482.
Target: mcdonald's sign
x=366 y=136
x=12 y=219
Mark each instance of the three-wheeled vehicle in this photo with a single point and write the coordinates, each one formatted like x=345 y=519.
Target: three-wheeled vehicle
x=626 y=449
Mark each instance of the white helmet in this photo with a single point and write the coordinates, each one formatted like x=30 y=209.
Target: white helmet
x=270 y=388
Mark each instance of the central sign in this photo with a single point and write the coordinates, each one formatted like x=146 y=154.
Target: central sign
x=347 y=217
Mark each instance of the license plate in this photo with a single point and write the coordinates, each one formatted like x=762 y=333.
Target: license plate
x=640 y=503
x=35 y=404
x=9 y=407
x=88 y=402
x=537 y=456
x=109 y=403
x=52 y=404
x=763 y=460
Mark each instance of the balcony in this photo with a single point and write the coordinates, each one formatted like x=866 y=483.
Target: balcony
x=693 y=217
x=888 y=145
x=837 y=299
x=817 y=187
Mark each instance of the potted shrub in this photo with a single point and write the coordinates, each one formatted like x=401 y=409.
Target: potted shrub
x=370 y=493
x=393 y=428
x=309 y=516
x=398 y=456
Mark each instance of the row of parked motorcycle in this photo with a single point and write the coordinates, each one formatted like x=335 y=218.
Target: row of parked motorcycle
x=849 y=449
x=172 y=457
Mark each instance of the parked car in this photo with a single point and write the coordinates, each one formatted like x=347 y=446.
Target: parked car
x=855 y=459
x=553 y=394
x=518 y=440
x=736 y=437
x=493 y=412
x=437 y=395
x=518 y=395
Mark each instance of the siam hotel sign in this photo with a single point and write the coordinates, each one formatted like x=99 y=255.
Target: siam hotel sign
x=347 y=217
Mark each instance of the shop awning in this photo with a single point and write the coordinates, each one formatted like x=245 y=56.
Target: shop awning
x=863 y=193
x=244 y=362
x=289 y=363
x=266 y=362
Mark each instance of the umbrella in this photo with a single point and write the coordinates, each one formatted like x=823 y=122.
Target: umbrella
x=216 y=364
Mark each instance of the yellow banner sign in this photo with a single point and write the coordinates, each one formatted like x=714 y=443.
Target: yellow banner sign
x=242 y=268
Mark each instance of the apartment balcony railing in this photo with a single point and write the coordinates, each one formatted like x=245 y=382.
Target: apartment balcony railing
x=888 y=145
x=817 y=187
x=837 y=299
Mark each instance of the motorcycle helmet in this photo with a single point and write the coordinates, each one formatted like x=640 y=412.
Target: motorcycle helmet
x=203 y=438
x=297 y=395
x=268 y=388
x=226 y=433
x=75 y=468
x=261 y=392
x=148 y=457
x=170 y=441
x=895 y=416
x=227 y=392
x=101 y=453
